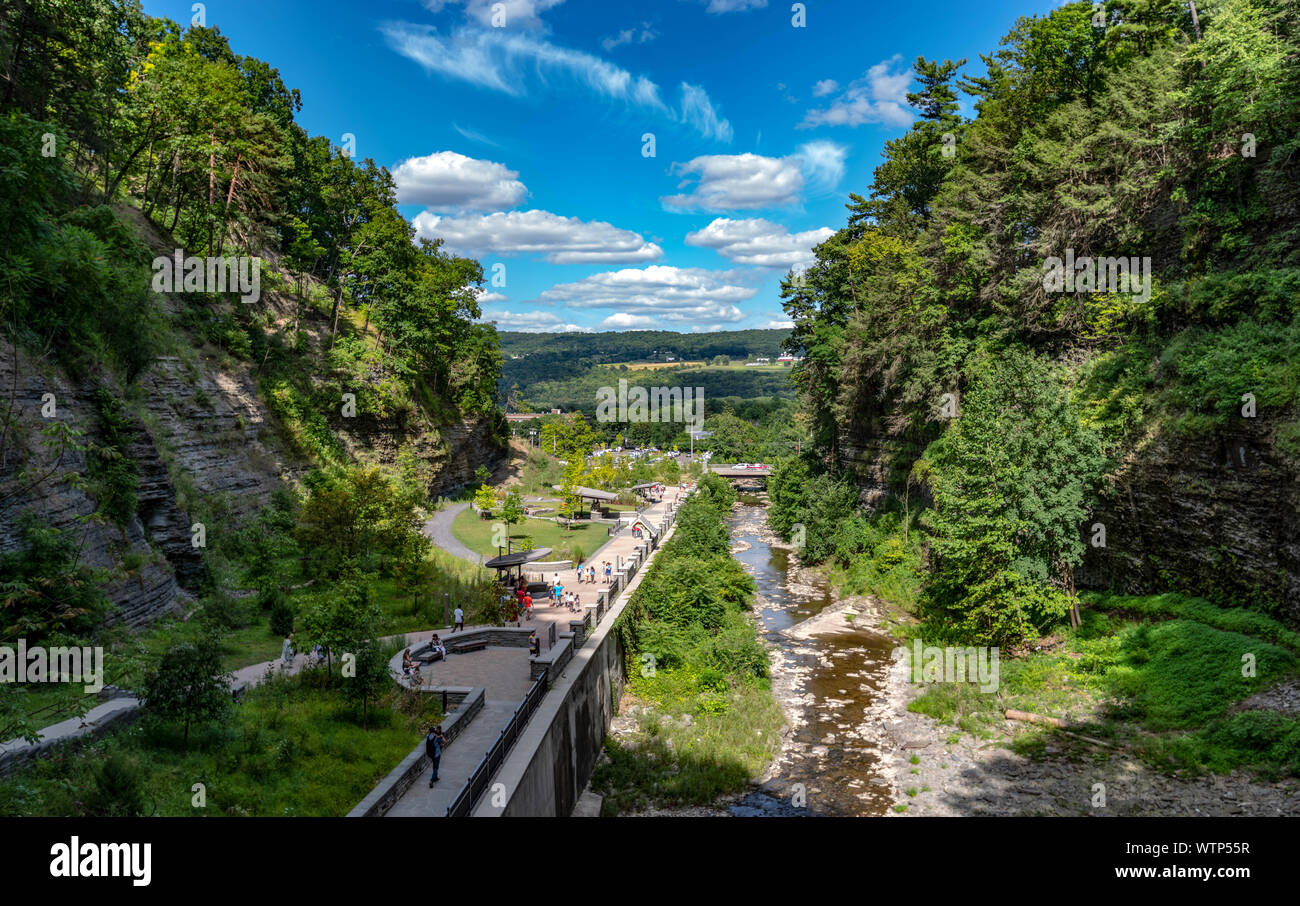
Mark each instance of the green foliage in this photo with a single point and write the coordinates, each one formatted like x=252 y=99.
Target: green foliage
x=44 y=589
x=359 y=516
x=1131 y=135
x=75 y=277
x=281 y=617
x=485 y=499
x=188 y=686
x=289 y=748
x=1013 y=479
x=117 y=792
x=114 y=475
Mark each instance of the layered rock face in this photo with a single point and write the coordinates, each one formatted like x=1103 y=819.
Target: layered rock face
x=1214 y=515
x=144 y=584
x=206 y=451
x=451 y=453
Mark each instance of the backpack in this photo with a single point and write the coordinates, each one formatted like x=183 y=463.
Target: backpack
x=432 y=747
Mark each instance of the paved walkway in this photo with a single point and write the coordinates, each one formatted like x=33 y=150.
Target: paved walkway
x=503 y=673
x=616 y=550
x=458 y=761
x=438 y=529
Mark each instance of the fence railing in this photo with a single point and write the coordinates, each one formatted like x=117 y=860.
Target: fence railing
x=478 y=781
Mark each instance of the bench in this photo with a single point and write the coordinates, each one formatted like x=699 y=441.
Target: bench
x=466 y=649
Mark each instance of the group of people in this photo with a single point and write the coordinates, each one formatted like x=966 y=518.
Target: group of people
x=589 y=572
x=411 y=667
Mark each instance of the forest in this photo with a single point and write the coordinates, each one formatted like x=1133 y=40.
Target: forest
x=950 y=386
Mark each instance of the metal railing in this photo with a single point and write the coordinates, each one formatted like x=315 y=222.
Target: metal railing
x=478 y=781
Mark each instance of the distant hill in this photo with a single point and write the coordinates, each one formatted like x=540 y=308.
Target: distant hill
x=535 y=358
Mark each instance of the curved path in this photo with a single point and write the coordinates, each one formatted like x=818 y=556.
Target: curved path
x=438 y=529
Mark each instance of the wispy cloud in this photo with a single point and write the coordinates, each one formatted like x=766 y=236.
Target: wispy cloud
x=733 y=6
x=475 y=136
x=880 y=96
x=698 y=113
x=635 y=35
x=512 y=13
x=514 y=63
x=823 y=165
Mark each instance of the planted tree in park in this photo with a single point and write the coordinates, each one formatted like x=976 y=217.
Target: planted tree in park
x=366 y=678
x=485 y=500
x=512 y=511
x=339 y=620
x=188 y=686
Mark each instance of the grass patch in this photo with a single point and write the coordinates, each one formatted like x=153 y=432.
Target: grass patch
x=293 y=747
x=692 y=746
x=1159 y=673
x=583 y=538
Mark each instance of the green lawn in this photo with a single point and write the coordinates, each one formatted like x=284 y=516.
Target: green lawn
x=565 y=543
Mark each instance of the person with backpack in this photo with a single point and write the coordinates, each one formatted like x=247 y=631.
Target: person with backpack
x=434 y=743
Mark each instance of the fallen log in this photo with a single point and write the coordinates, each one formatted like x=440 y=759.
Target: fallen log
x=1032 y=718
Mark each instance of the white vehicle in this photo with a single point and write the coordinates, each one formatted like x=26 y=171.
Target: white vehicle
x=741 y=465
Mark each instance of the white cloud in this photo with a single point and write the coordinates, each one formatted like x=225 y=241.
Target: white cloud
x=880 y=96
x=538 y=321
x=511 y=61
x=518 y=13
x=733 y=6
x=563 y=240
x=778 y=325
x=657 y=295
x=447 y=181
x=634 y=35
x=729 y=182
x=759 y=242
x=485 y=297
x=824 y=87
x=732 y=181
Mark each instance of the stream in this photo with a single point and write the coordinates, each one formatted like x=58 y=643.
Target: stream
x=826 y=673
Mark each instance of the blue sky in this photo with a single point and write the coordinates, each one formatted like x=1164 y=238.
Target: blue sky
x=521 y=142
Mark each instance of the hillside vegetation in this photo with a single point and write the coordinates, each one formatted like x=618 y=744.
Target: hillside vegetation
x=990 y=436
x=249 y=459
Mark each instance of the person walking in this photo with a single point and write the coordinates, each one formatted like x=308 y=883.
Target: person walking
x=459 y=616
x=434 y=743
x=286 y=651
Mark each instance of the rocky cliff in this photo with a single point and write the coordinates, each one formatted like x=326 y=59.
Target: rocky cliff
x=207 y=451
x=1215 y=515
